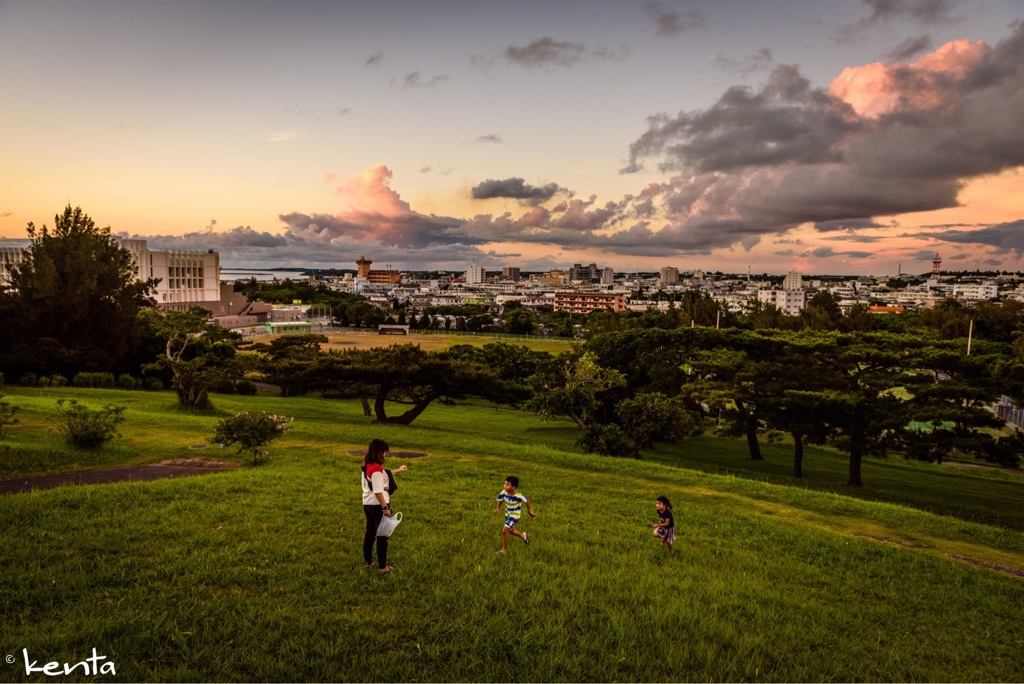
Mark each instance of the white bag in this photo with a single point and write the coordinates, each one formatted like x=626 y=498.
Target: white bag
x=387 y=525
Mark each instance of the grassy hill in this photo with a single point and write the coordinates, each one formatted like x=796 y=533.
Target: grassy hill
x=255 y=574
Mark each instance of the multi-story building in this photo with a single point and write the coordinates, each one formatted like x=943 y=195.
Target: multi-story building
x=790 y=301
x=363 y=267
x=9 y=256
x=669 y=275
x=186 y=278
x=584 y=273
x=555 y=277
x=793 y=281
x=608 y=276
x=976 y=291
x=586 y=302
x=510 y=273
x=476 y=274
x=386 y=277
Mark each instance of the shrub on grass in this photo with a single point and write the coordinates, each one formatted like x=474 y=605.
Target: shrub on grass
x=58 y=380
x=251 y=431
x=84 y=428
x=154 y=384
x=28 y=379
x=607 y=440
x=126 y=382
x=95 y=380
x=246 y=388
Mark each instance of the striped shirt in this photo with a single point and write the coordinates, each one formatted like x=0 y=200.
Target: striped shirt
x=513 y=504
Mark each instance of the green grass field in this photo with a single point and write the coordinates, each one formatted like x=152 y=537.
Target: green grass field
x=255 y=574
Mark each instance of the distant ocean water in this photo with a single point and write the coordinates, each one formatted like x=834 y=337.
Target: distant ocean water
x=262 y=276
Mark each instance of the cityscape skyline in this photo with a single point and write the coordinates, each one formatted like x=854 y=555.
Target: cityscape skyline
x=821 y=137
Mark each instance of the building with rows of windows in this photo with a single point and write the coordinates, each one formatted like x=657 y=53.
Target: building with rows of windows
x=586 y=302
x=186 y=278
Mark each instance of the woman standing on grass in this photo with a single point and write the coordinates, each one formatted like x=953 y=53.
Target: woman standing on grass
x=378 y=486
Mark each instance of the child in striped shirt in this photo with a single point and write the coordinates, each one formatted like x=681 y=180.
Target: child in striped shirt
x=513 y=509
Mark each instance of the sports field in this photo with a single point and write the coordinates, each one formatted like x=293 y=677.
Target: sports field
x=428 y=342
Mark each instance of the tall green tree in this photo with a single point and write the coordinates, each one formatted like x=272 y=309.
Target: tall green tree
x=73 y=302
x=862 y=403
x=822 y=312
x=518 y=321
x=198 y=353
x=951 y=393
x=401 y=374
x=732 y=380
x=573 y=389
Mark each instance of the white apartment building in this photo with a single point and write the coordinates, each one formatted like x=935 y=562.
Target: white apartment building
x=9 y=256
x=793 y=281
x=476 y=274
x=976 y=291
x=790 y=301
x=608 y=276
x=186 y=277
x=669 y=275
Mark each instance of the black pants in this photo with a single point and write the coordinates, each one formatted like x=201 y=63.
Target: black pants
x=373 y=515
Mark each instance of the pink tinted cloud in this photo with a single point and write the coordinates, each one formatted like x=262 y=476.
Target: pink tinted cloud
x=877 y=89
x=372 y=193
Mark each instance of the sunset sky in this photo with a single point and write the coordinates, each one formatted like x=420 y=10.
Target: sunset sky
x=821 y=136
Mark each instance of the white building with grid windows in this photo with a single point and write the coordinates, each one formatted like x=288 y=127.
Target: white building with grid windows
x=186 y=278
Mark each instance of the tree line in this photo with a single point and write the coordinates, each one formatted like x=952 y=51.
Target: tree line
x=899 y=384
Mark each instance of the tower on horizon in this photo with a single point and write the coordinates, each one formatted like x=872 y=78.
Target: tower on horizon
x=936 y=266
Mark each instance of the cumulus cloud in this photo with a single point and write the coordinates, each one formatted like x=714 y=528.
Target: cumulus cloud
x=671 y=23
x=377 y=221
x=515 y=188
x=787 y=121
x=374 y=59
x=881 y=140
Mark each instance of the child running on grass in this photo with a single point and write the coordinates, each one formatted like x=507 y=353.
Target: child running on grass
x=665 y=530
x=513 y=509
